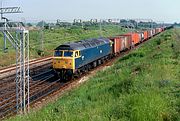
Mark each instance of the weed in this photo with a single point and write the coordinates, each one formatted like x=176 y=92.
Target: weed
x=131 y=55
x=123 y=86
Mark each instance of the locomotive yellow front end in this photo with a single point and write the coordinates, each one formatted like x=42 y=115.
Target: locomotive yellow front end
x=64 y=63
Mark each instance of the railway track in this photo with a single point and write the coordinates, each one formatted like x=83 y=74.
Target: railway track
x=31 y=62
x=43 y=85
x=35 y=65
x=37 y=87
x=8 y=86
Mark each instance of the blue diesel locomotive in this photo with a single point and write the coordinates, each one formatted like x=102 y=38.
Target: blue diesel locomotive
x=72 y=59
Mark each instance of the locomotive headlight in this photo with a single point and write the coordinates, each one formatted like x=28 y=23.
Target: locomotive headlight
x=54 y=62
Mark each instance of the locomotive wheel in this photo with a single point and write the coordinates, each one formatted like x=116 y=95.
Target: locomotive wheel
x=61 y=75
x=68 y=75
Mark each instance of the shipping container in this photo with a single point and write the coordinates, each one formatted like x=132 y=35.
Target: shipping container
x=154 y=32
x=122 y=47
x=149 y=33
x=163 y=28
x=141 y=35
x=127 y=41
x=135 y=38
x=145 y=35
x=158 y=30
x=116 y=44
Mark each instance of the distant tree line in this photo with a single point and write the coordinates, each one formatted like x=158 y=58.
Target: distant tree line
x=94 y=22
x=176 y=24
x=135 y=24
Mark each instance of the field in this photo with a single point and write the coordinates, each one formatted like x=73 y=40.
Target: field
x=53 y=38
x=142 y=86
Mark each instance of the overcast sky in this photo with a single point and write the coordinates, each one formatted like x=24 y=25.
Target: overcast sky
x=158 y=10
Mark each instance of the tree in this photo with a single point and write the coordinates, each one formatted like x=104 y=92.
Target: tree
x=29 y=24
x=41 y=24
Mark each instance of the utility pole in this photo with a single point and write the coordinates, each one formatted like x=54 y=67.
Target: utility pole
x=82 y=24
x=100 y=27
x=152 y=26
x=117 y=23
x=42 y=36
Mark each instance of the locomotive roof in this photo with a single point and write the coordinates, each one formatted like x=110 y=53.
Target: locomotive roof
x=83 y=44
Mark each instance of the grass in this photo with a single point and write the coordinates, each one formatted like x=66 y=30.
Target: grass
x=142 y=86
x=53 y=38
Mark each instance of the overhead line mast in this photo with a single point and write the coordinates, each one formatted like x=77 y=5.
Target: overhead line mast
x=21 y=44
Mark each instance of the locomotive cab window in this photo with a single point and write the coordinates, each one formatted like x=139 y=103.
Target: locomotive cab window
x=76 y=54
x=68 y=54
x=58 y=53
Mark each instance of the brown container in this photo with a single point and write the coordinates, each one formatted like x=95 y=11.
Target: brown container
x=141 y=36
x=158 y=30
x=150 y=33
x=163 y=28
x=154 y=32
x=127 y=41
x=122 y=45
x=116 y=44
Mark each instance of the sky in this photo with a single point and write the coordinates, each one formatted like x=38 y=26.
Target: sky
x=35 y=10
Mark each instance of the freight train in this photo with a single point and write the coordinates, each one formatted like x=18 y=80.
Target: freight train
x=73 y=59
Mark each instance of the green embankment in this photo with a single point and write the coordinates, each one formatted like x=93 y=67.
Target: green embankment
x=53 y=38
x=142 y=86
